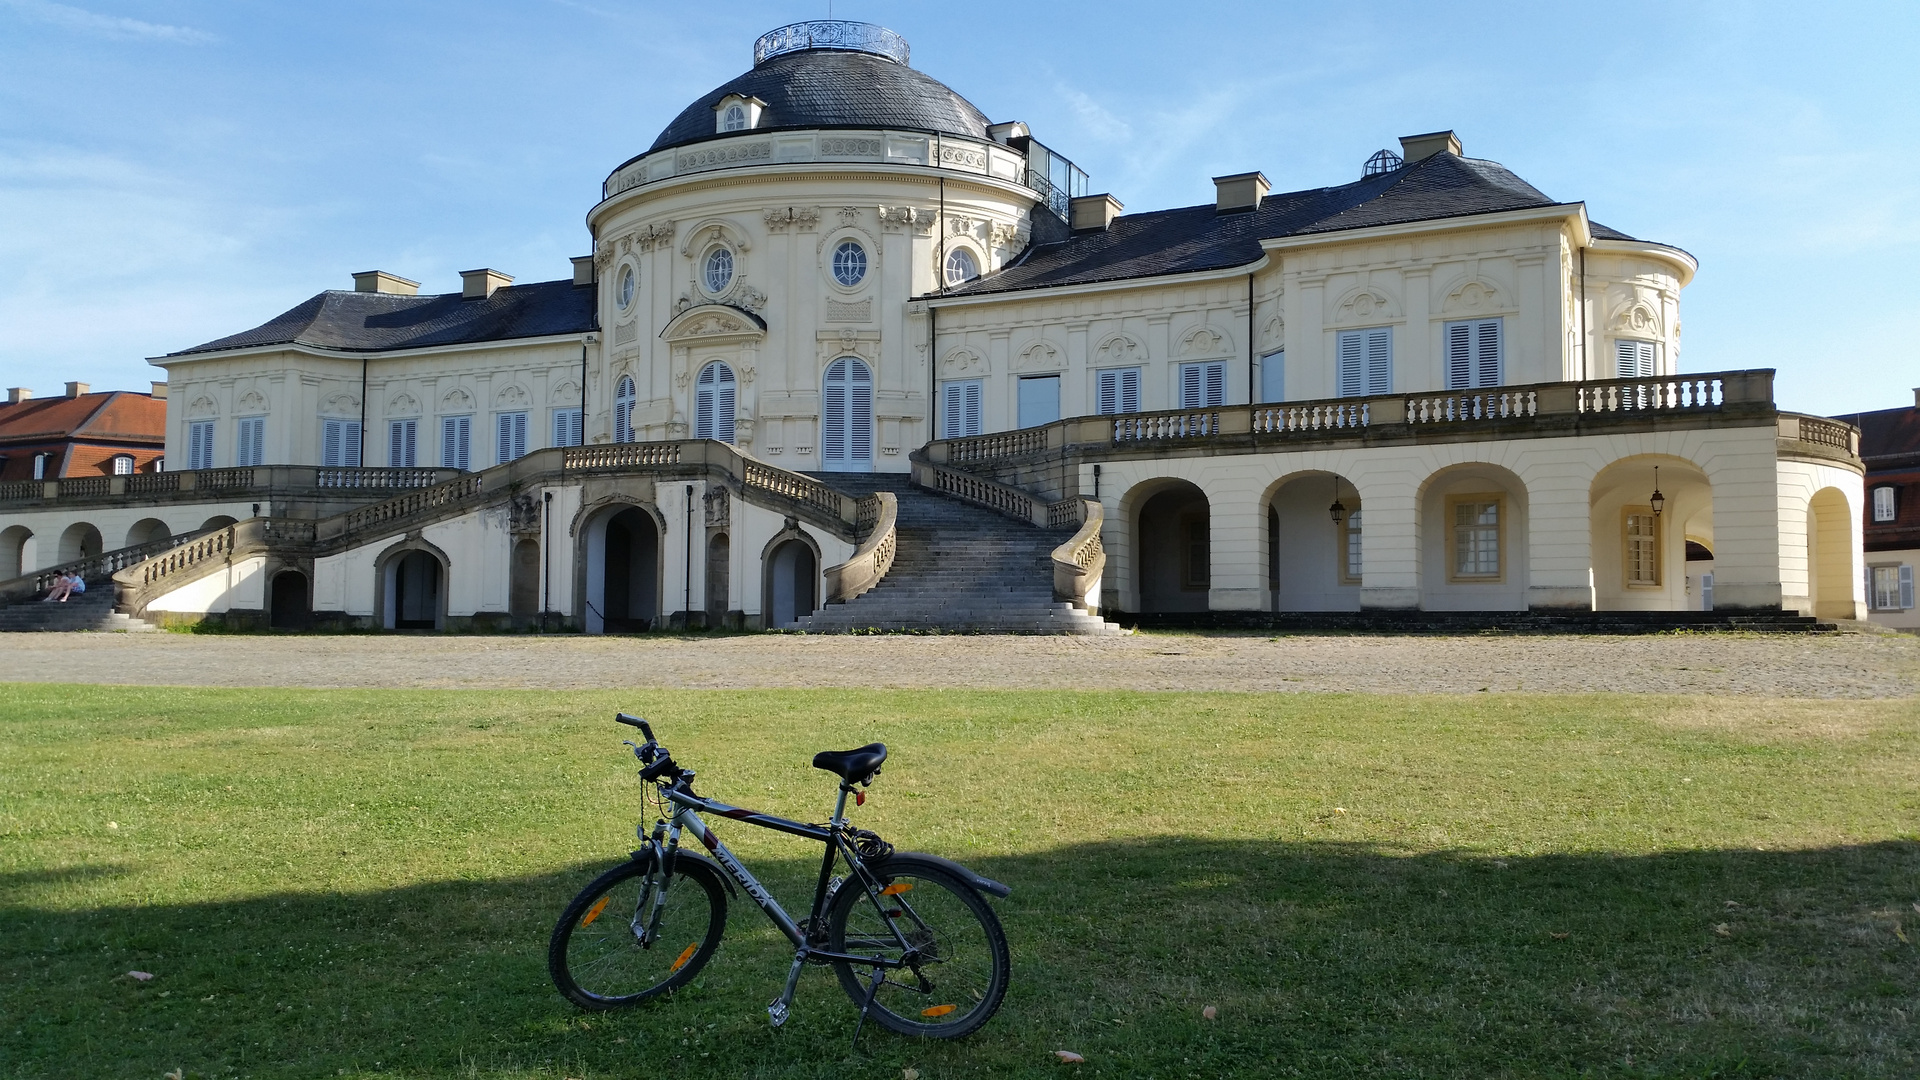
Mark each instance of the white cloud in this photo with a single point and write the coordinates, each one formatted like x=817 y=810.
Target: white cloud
x=116 y=27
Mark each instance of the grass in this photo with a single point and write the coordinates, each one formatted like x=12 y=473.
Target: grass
x=361 y=883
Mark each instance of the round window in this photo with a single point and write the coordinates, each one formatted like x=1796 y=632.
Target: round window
x=719 y=270
x=849 y=264
x=625 y=292
x=961 y=267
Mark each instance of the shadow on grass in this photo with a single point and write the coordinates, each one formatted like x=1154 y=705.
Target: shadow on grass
x=1323 y=960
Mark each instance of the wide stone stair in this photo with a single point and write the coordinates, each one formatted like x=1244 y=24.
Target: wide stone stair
x=91 y=610
x=957 y=568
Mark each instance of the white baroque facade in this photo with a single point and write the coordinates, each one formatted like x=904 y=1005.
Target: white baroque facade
x=1428 y=387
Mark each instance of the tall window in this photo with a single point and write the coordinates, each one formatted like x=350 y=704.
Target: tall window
x=960 y=410
x=567 y=427
x=1203 y=386
x=1350 y=564
x=849 y=264
x=1640 y=553
x=1883 y=509
x=456 y=442
x=719 y=270
x=251 y=447
x=1474 y=354
x=1365 y=362
x=1476 y=537
x=962 y=267
x=403 y=443
x=200 y=444
x=1273 y=377
x=1890 y=588
x=1039 y=400
x=1117 y=390
x=846 y=420
x=623 y=398
x=339 y=444
x=509 y=436
x=713 y=398
x=1633 y=359
x=40 y=466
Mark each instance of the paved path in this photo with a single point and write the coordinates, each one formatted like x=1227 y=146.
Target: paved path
x=1835 y=666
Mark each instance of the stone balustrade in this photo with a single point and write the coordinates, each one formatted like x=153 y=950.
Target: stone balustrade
x=264 y=481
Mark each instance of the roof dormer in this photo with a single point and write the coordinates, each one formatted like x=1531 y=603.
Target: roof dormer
x=737 y=112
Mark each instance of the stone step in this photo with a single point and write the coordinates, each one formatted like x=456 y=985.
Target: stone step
x=92 y=610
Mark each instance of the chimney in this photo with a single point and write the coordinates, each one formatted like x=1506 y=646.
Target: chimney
x=18 y=394
x=159 y=391
x=383 y=282
x=480 y=284
x=583 y=271
x=1093 y=212
x=1916 y=397
x=1421 y=147
x=1241 y=191
x=76 y=389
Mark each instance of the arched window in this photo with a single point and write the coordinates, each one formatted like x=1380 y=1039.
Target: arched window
x=846 y=420
x=628 y=282
x=123 y=464
x=961 y=267
x=849 y=264
x=719 y=270
x=734 y=118
x=713 y=403
x=623 y=398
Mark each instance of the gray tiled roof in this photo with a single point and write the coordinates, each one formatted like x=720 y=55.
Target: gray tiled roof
x=376 y=322
x=1197 y=238
x=834 y=88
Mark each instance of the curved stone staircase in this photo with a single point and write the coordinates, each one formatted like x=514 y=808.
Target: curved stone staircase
x=91 y=610
x=957 y=568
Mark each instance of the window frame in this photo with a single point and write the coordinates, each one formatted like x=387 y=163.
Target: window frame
x=626 y=394
x=967 y=398
x=1453 y=502
x=836 y=263
x=1902 y=587
x=1020 y=399
x=1627 y=539
x=1350 y=555
x=119 y=460
x=349 y=435
x=403 y=434
x=713 y=258
x=250 y=441
x=1273 y=377
x=1646 y=358
x=456 y=442
x=1367 y=382
x=1464 y=351
x=626 y=286
x=1891 y=511
x=568 y=425
x=200 y=456
x=719 y=398
x=1196 y=575
x=1208 y=381
x=728 y=116
x=509 y=435
x=947 y=264
x=1120 y=389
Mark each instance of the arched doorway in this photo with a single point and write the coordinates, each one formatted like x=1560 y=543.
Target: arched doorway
x=1642 y=560
x=1313 y=543
x=146 y=531
x=1831 y=576
x=622 y=585
x=846 y=417
x=719 y=553
x=415 y=591
x=291 y=605
x=15 y=551
x=80 y=541
x=793 y=579
x=1174 y=550
x=713 y=404
x=523 y=580
x=218 y=521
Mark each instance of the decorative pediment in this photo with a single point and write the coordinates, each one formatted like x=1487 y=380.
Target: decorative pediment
x=251 y=402
x=456 y=400
x=1365 y=304
x=1204 y=341
x=403 y=404
x=1634 y=314
x=567 y=393
x=1040 y=356
x=710 y=324
x=340 y=404
x=203 y=406
x=961 y=363
x=510 y=396
x=715 y=231
x=1273 y=332
x=1119 y=348
x=1475 y=296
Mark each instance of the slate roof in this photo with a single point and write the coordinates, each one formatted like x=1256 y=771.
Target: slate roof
x=1889 y=438
x=824 y=88
x=377 y=322
x=1197 y=238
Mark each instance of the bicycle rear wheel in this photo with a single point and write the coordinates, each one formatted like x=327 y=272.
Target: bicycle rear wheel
x=960 y=975
x=609 y=951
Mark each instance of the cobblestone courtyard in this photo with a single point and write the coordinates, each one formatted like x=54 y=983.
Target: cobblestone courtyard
x=1833 y=666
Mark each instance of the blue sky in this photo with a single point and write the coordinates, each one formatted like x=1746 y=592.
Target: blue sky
x=171 y=172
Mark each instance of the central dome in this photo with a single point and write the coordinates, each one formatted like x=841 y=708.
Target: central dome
x=854 y=76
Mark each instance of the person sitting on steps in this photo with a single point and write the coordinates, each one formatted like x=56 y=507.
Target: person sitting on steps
x=65 y=586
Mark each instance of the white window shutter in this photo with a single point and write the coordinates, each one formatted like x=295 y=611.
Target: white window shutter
x=623 y=401
x=465 y=442
x=1380 y=360
x=396 y=444
x=1190 y=386
x=503 y=438
x=833 y=414
x=1626 y=359
x=950 y=398
x=703 y=403
x=973 y=414
x=1216 y=380
x=1459 y=355
x=1130 y=390
x=1107 y=392
x=1488 y=353
x=1906 y=586
x=723 y=405
x=1351 y=373
x=860 y=412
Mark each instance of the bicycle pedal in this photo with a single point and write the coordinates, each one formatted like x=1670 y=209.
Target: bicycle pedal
x=778 y=1012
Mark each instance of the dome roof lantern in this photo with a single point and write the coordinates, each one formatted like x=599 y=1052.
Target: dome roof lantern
x=830 y=34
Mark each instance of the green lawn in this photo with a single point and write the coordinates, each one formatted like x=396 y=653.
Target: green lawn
x=361 y=883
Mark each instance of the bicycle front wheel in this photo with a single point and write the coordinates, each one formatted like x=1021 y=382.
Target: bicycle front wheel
x=616 y=945
x=958 y=972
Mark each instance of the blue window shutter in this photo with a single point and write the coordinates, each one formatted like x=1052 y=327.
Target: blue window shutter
x=1191 y=387
x=1459 y=355
x=1130 y=390
x=350 y=447
x=1906 y=585
x=330 y=444
x=1380 y=360
x=972 y=414
x=1216 y=384
x=860 y=412
x=833 y=414
x=723 y=405
x=1351 y=373
x=1107 y=392
x=1489 y=353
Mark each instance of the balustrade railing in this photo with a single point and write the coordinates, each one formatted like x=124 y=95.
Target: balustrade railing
x=1468 y=405
x=155 y=571
x=1161 y=426
x=791 y=485
x=621 y=455
x=1662 y=393
x=23 y=489
x=1310 y=417
x=86 y=485
x=218 y=479
x=376 y=478
x=413 y=502
x=1001 y=444
x=151 y=483
x=1823 y=432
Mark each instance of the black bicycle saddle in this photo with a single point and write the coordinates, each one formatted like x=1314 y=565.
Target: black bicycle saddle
x=853 y=766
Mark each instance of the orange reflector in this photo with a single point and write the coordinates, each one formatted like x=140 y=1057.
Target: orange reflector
x=895 y=889
x=938 y=1010
x=594 y=911
x=686 y=955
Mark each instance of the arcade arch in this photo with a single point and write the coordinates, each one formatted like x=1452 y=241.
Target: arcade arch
x=1169 y=521
x=1831 y=573
x=792 y=579
x=1313 y=523
x=290 y=604
x=413 y=587
x=1473 y=539
x=623 y=569
x=146 y=531
x=16 y=551
x=1640 y=558
x=80 y=541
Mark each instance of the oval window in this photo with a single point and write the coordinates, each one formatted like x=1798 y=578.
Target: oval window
x=625 y=292
x=961 y=267
x=849 y=264
x=719 y=269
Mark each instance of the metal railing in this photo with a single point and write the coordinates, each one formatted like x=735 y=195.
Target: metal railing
x=831 y=34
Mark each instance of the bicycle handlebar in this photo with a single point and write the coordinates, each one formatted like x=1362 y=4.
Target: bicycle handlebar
x=634 y=721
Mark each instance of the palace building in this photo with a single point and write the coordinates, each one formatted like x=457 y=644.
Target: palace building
x=845 y=352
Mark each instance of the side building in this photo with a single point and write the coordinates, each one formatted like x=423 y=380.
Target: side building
x=1890 y=447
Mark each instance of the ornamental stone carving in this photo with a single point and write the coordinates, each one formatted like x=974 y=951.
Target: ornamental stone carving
x=1273 y=331
x=510 y=396
x=567 y=393
x=403 y=404
x=1365 y=304
x=659 y=234
x=1119 y=348
x=1039 y=356
x=837 y=147
x=1474 y=297
x=456 y=400
x=251 y=401
x=895 y=218
x=716 y=156
x=341 y=404
x=625 y=333
x=859 y=311
x=203 y=406
x=1634 y=315
x=800 y=217
x=1204 y=341
x=961 y=362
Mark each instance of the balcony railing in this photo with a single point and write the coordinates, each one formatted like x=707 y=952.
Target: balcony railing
x=198 y=483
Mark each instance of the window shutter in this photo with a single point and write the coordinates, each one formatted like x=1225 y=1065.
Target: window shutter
x=1635 y=358
x=833 y=415
x=396 y=444
x=350 y=445
x=1190 y=386
x=503 y=438
x=1906 y=586
x=1459 y=355
x=260 y=440
x=1107 y=392
x=950 y=398
x=330 y=444
x=1380 y=360
x=1216 y=375
x=623 y=399
x=1487 y=352
x=972 y=413
x=1130 y=390
x=465 y=442
x=703 y=404
x=860 y=412
x=1350 y=375
x=1706 y=592
x=723 y=405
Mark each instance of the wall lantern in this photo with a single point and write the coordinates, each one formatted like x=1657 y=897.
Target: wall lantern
x=1657 y=500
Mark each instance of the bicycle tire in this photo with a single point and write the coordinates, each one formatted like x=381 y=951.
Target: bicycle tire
x=595 y=957
x=969 y=969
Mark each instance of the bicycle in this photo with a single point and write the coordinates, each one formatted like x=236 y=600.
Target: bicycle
x=910 y=936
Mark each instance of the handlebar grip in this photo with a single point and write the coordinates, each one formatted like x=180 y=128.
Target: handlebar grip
x=663 y=765
x=634 y=721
